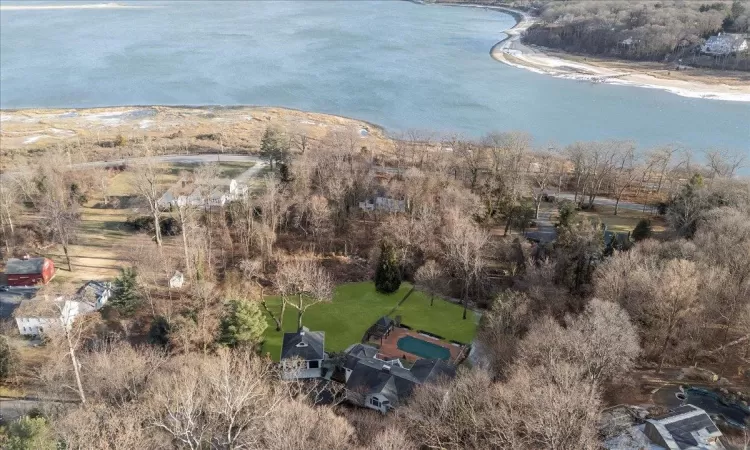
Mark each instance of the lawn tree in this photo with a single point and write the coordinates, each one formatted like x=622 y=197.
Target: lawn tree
x=541 y=177
x=463 y=246
x=57 y=201
x=9 y=360
x=599 y=160
x=431 y=277
x=642 y=230
x=302 y=283
x=102 y=178
x=387 y=272
x=626 y=171
x=146 y=183
x=243 y=324
x=300 y=140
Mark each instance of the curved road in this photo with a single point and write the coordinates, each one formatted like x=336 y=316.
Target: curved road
x=185 y=159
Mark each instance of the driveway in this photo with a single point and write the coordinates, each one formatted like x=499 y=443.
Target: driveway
x=10 y=300
x=545 y=229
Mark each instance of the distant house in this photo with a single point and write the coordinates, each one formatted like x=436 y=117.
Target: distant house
x=207 y=194
x=684 y=428
x=384 y=204
x=29 y=271
x=725 y=44
x=302 y=354
x=384 y=385
x=38 y=315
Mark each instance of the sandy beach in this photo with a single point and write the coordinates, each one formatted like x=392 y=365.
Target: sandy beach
x=514 y=53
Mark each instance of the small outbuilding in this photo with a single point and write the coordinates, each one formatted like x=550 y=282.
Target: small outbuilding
x=28 y=271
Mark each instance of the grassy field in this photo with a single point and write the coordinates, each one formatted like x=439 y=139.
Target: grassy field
x=356 y=306
x=625 y=220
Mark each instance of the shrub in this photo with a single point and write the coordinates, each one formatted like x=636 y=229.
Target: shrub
x=169 y=225
x=642 y=230
x=387 y=274
x=120 y=141
x=158 y=334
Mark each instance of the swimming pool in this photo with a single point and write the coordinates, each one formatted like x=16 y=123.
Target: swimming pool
x=422 y=348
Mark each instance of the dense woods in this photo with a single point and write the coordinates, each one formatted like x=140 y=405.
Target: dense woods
x=566 y=323
x=641 y=30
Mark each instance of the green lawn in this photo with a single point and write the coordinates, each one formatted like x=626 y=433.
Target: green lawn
x=356 y=306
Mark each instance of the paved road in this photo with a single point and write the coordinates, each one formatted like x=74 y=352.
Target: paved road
x=183 y=159
x=604 y=201
x=13 y=409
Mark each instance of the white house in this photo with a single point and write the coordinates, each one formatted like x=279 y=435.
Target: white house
x=302 y=354
x=383 y=204
x=725 y=44
x=206 y=194
x=36 y=316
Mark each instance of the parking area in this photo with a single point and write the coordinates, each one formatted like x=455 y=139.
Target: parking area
x=10 y=299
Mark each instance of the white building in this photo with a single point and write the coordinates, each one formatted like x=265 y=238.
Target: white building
x=725 y=44
x=208 y=194
x=36 y=316
x=302 y=355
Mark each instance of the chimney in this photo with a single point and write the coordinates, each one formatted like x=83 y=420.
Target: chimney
x=386 y=368
x=25 y=256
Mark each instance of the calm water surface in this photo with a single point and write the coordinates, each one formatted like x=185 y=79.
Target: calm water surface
x=393 y=63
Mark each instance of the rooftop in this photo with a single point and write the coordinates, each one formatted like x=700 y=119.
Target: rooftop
x=306 y=344
x=16 y=266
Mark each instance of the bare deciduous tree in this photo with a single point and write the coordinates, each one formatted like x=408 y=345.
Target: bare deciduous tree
x=302 y=283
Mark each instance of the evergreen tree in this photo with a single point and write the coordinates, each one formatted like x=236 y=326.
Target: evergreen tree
x=243 y=324
x=125 y=296
x=273 y=146
x=29 y=433
x=387 y=274
x=642 y=230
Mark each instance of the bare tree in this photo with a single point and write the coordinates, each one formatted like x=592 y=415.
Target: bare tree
x=9 y=200
x=624 y=173
x=58 y=202
x=542 y=177
x=725 y=163
x=463 y=244
x=302 y=284
x=147 y=185
x=431 y=278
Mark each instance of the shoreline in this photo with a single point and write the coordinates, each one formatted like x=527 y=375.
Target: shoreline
x=512 y=52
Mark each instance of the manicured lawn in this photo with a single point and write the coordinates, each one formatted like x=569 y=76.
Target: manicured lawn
x=443 y=318
x=356 y=306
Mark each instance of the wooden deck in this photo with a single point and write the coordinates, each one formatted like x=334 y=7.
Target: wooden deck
x=389 y=348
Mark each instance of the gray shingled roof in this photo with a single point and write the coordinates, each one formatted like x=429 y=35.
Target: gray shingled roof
x=356 y=352
x=16 y=266
x=372 y=376
x=683 y=425
x=307 y=345
x=428 y=370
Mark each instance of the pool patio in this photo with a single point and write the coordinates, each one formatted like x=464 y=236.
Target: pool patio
x=389 y=348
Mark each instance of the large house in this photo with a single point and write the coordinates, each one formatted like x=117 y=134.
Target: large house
x=29 y=271
x=383 y=385
x=302 y=355
x=686 y=427
x=207 y=194
x=725 y=44
x=36 y=316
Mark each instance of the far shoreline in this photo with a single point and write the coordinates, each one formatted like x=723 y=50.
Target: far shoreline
x=512 y=52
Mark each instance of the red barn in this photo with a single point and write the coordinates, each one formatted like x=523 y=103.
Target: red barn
x=29 y=271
